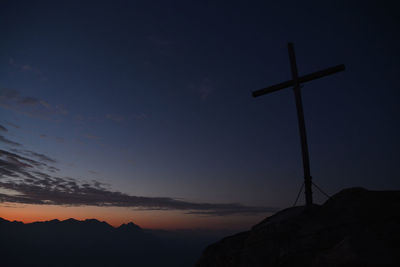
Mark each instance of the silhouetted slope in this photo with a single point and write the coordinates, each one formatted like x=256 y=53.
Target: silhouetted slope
x=356 y=227
x=94 y=243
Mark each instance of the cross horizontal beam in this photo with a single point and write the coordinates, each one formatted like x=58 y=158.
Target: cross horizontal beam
x=301 y=79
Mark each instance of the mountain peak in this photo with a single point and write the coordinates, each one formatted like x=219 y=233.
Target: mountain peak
x=129 y=226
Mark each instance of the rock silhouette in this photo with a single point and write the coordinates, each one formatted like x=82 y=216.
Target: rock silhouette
x=355 y=227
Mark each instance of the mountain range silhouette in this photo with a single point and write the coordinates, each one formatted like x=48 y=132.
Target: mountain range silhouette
x=355 y=227
x=94 y=243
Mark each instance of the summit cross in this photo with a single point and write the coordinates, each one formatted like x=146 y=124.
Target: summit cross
x=295 y=82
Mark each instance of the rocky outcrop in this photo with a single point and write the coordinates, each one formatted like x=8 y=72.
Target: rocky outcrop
x=355 y=227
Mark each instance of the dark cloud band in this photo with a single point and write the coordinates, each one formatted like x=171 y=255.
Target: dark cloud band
x=8 y=142
x=35 y=186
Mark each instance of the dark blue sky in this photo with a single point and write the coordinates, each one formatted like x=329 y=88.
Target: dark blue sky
x=154 y=97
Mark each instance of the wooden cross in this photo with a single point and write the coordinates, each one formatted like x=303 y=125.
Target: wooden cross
x=295 y=82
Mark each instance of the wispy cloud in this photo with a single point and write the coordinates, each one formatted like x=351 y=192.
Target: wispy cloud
x=13 y=125
x=8 y=142
x=31 y=106
x=38 y=156
x=92 y=136
x=21 y=161
x=59 y=139
x=3 y=129
x=35 y=186
x=140 y=116
x=27 y=68
x=126 y=117
x=114 y=117
x=204 y=88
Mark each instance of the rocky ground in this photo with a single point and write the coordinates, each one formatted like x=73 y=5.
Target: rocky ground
x=355 y=227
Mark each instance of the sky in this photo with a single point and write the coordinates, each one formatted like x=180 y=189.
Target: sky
x=142 y=110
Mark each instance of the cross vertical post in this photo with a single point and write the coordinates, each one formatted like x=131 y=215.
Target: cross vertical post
x=296 y=81
x=302 y=127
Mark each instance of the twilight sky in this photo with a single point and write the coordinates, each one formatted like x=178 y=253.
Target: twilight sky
x=142 y=110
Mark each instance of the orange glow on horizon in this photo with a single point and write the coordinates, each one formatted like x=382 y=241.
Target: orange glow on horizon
x=116 y=216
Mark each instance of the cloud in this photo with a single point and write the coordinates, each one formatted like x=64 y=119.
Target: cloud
x=41 y=157
x=13 y=125
x=34 y=186
x=59 y=139
x=235 y=208
x=31 y=106
x=29 y=100
x=38 y=156
x=27 y=68
x=3 y=129
x=53 y=169
x=92 y=136
x=204 y=88
x=140 y=116
x=9 y=157
x=8 y=142
x=114 y=117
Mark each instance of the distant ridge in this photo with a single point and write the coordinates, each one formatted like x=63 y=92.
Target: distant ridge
x=75 y=221
x=355 y=227
x=92 y=242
